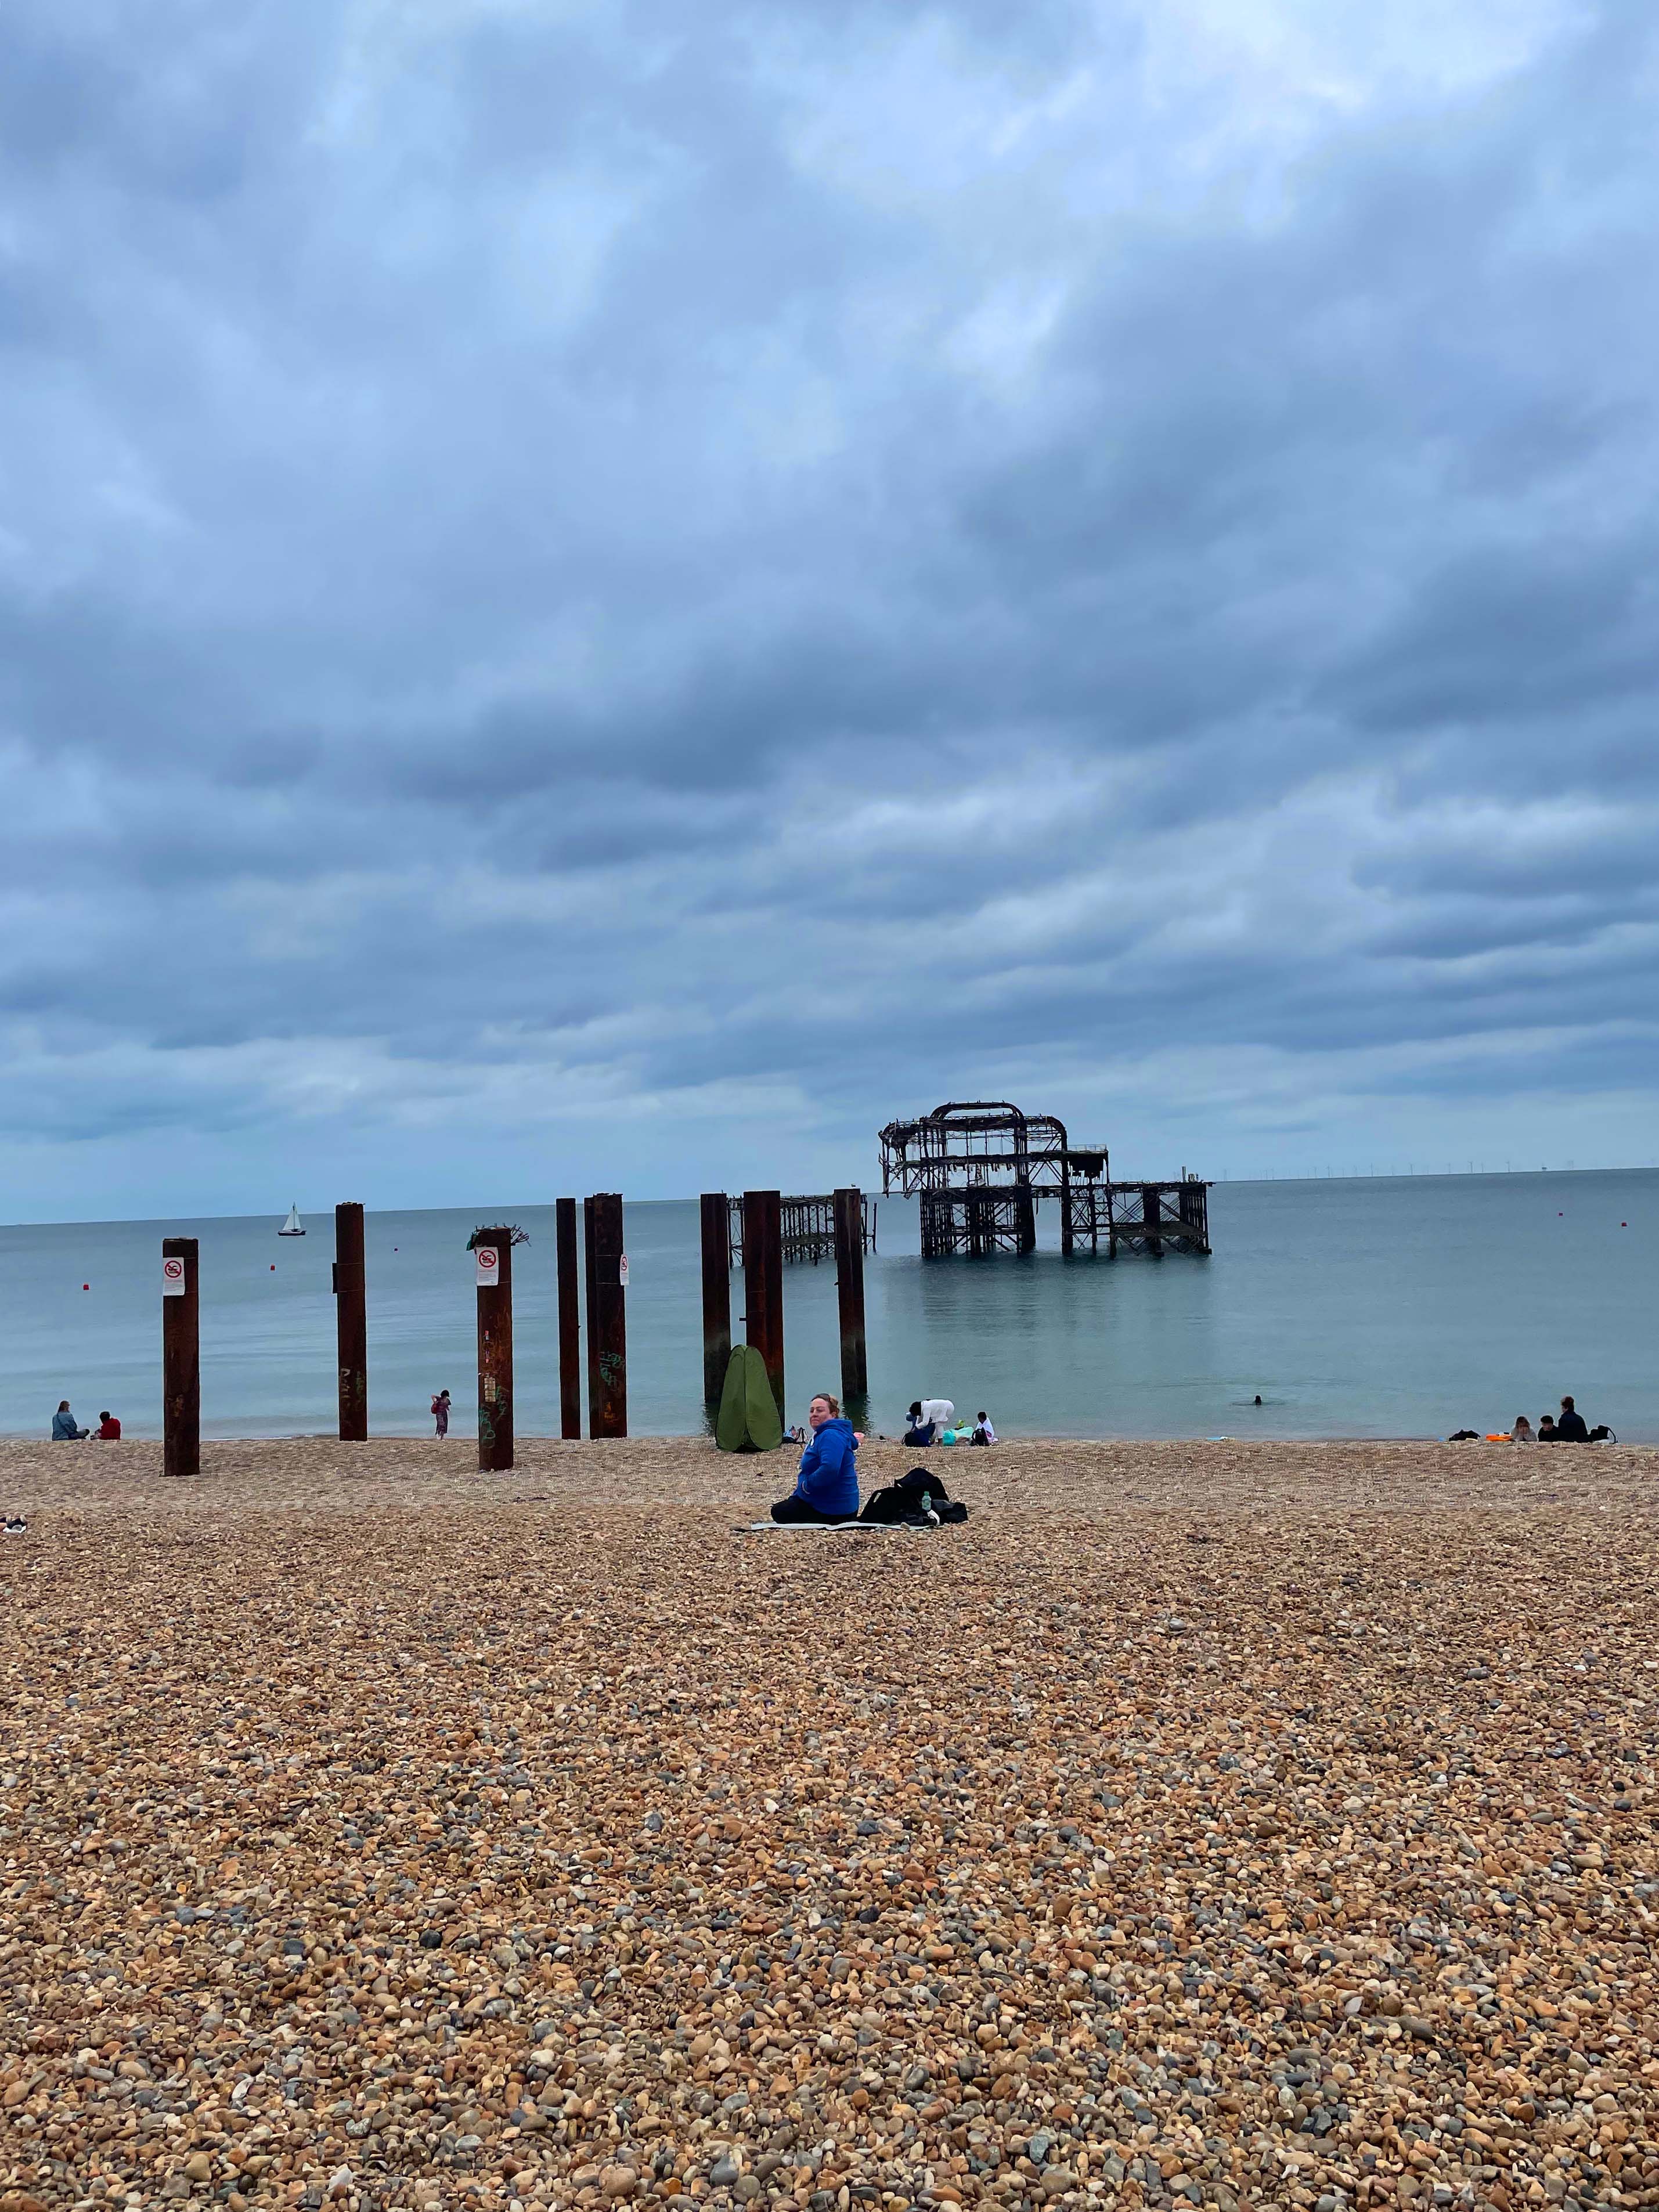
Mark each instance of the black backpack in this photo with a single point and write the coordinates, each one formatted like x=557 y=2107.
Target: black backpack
x=906 y=1502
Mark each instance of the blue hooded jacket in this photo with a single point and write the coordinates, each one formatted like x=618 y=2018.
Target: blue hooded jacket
x=829 y=1476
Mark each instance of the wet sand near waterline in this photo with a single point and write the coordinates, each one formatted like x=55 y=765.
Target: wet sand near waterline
x=1202 y=1823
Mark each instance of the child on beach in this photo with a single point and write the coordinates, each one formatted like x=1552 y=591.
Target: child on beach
x=441 y=1413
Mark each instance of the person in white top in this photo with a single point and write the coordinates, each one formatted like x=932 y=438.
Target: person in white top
x=937 y=1414
x=983 y=1432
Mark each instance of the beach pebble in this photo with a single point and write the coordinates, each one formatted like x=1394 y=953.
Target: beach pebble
x=382 y=1842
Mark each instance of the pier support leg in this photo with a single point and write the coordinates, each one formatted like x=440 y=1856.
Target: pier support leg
x=716 y=1294
x=1025 y=1218
x=495 y=1354
x=351 y=1322
x=762 y=1281
x=1152 y=1213
x=607 y=1325
x=849 y=1295
x=181 y=1358
x=570 y=1338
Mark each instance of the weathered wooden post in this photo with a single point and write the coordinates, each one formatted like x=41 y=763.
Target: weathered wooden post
x=716 y=1294
x=762 y=1281
x=607 y=1323
x=849 y=1294
x=351 y=1321
x=181 y=1358
x=570 y=1341
x=492 y=1253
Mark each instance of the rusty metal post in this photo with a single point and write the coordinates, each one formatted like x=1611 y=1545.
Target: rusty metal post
x=1151 y=1216
x=570 y=1340
x=494 y=1278
x=762 y=1281
x=351 y=1321
x=849 y=1294
x=607 y=1321
x=716 y=1294
x=181 y=1358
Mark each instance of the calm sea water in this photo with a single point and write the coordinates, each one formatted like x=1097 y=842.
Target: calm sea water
x=1387 y=1307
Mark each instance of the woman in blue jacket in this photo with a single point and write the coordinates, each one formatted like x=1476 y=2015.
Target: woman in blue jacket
x=827 y=1487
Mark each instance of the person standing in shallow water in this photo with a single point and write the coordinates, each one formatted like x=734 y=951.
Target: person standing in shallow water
x=827 y=1486
x=440 y=1414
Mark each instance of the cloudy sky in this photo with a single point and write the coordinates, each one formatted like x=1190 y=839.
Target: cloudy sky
x=603 y=594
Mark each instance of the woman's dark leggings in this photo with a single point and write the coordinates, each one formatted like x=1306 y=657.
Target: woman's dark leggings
x=797 y=1509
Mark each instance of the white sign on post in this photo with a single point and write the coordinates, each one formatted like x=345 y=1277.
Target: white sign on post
x=621 y=1271
x=490 y=1266
x=172 y=1277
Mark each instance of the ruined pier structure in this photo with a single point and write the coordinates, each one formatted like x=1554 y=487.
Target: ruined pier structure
x=806 y=1227
x=980 y=1168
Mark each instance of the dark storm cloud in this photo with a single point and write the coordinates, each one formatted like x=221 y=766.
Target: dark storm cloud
x=534 y=540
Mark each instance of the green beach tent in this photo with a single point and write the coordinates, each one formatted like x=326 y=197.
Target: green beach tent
x=748 y=1420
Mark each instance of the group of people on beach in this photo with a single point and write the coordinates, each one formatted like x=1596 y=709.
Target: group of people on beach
x=932 y=1421
x=826 y=1489
x=1569 y=1426
x=66 y=1430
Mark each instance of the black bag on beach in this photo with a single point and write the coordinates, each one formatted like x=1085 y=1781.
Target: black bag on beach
x=902 y=1502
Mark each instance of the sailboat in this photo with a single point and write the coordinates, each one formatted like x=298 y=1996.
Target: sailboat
x=292 y=1226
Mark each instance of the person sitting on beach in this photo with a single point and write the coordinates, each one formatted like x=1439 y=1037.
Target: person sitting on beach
x=1522 y=1432
x=983 y=1432
x=827 y=1486
x=109 y=1429
x=1546 y=1429
x=63 y=1430
x=1570 y=1427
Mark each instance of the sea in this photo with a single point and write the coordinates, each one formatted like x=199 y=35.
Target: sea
x=1387 y=1306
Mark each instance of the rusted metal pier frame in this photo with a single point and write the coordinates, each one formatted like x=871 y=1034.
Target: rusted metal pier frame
x=807 y=1225
x=351 y=1321
x=980 y=1168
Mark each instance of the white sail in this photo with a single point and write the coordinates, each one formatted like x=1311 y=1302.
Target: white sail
x=292 y=1226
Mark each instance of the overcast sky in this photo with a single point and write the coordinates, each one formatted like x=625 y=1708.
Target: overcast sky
x=611 y=595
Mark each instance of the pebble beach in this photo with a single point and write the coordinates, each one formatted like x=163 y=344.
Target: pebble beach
x=1209 y=1824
